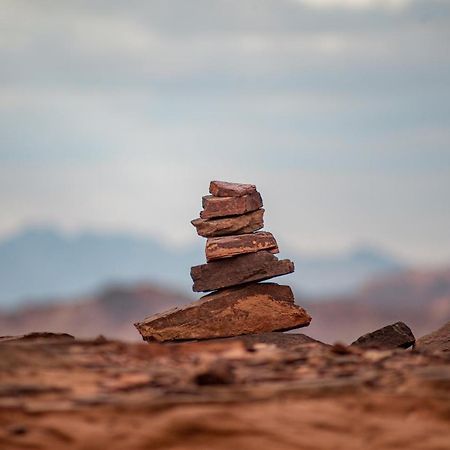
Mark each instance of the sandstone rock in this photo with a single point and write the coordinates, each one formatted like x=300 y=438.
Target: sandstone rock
x=226 y=189
x=244 y=223
x=229 y=206
x=438 y=341
x=228 y=246
x=238 y=270
x=391 y=336
x=254 y=308
x=285 y=341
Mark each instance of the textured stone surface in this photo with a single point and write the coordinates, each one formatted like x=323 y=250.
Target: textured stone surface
x=286 y=341
x=438 y=341
x=228 y=246
x=244 y=223
x=227 y=189
x=391 y=336
x=238 y=270
x=229 y=206
x=254 y=308
x=202 y=395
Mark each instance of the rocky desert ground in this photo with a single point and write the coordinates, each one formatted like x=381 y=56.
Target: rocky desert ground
x=269 y=391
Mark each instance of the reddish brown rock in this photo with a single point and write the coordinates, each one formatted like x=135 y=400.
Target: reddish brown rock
x=229 y=206
x=254 y=308
x=438 y=341
x=238 y=270
x=391 y=336
x=226 y=189
x=228 y=246
x=245 y=223
x=285 y=341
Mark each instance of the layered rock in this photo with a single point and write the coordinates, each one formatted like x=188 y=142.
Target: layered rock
x=226 y=189
x=391 y=336
x=228 y=246
x=229 y=206
x=241 y=269
x=238 y=257
x=245 y=223
x=254 y=308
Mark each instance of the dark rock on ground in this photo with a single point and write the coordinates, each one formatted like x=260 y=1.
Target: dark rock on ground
x=390 y=336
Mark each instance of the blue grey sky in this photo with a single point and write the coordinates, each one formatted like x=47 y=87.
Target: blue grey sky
x=114 y=115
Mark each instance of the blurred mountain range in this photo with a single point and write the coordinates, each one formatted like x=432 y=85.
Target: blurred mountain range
x=41 y=263
x=420 y=299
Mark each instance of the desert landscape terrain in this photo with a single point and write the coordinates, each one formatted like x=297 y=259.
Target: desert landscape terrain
x=277 y=391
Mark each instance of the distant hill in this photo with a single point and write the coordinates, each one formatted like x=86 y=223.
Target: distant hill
x=110 y=312
x=420 y=299
x=41 y=263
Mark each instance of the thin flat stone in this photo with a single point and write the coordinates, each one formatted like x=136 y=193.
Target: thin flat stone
x=254 y=308
x=245 y=223
x=229 y=206
x=227 y=189
x=238 y=270
x=229 y=246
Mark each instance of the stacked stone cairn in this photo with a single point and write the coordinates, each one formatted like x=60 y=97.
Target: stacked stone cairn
x=238 y=258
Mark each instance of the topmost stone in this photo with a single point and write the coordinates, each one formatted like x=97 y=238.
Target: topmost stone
x=226 y=189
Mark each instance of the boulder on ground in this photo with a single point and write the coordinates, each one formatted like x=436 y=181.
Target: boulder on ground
x=392 y=336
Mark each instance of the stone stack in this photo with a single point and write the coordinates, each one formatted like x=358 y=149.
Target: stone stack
x=239 y=257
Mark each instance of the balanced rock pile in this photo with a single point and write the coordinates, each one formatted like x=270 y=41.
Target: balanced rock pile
x=238 y=258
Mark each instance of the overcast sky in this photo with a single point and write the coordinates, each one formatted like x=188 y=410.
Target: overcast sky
x=114 y=115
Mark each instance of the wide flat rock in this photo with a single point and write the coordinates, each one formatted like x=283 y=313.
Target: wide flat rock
x=391 y=336
x=227 y=189
x=240 y=269
x=254 y=308
x=229 y=206
x=244 y=223
x=228 y=246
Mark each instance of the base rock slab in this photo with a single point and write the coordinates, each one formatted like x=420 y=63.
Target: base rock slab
x=253 y=308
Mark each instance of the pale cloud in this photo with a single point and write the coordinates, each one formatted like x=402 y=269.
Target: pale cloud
x=391 y=5
x=115 y=115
